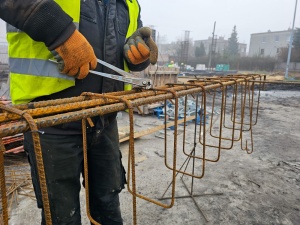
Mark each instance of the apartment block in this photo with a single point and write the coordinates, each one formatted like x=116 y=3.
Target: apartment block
x=268 y=44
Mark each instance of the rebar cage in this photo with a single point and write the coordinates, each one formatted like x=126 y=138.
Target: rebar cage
x=221 y=110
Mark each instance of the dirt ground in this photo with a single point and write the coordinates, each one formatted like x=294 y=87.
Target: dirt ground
x=262 y=188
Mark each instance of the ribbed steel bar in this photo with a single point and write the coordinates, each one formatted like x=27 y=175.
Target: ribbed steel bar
x=38 y=155
x=86 y=174
x=2 y=185
x=276 y=82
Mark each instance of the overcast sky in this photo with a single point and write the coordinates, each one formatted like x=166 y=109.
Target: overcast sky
x=171 y=18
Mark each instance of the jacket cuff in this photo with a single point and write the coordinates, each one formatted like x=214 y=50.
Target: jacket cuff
x=48 y=23
x=138 y=67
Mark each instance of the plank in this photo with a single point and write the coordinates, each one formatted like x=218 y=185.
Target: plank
x=154 y=129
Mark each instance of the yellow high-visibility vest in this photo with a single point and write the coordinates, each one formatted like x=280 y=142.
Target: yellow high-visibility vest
x=133 y=16
x=31 y=73
x=134 y=11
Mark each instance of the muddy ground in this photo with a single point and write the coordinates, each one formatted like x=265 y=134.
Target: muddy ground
x=261 y=188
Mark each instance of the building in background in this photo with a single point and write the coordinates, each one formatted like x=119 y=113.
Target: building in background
x=268 y=44
x=220 y=46
x=167 y=52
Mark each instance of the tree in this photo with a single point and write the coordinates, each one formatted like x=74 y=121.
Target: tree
x=233 y=45
x=200 y=51
x=296 y=45
x=296 y=41
x=295 y=51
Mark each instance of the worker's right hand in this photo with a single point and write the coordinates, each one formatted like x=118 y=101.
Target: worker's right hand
x=75 y=56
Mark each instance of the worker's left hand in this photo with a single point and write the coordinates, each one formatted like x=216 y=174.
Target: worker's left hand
x=141 y=47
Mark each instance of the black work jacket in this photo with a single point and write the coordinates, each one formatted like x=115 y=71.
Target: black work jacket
x=105 y=27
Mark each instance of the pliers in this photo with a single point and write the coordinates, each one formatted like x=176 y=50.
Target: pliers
x=126 y=77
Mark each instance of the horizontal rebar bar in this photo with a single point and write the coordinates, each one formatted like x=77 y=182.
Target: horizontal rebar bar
x=76 y=108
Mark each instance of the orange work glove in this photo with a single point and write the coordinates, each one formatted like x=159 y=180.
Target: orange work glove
x=140 y=47
x=75 y=56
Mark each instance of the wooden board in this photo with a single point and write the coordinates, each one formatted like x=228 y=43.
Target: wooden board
x=154 y=129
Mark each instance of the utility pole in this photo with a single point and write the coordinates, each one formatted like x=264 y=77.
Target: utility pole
x=290 y=45
x=211 y=47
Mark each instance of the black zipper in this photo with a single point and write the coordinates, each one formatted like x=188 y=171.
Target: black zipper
x=105 y=29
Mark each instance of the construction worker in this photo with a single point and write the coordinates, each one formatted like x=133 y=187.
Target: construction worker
x=74 y=33
x=171 y=64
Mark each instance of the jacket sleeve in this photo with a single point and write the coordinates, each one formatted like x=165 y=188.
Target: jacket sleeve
x=142 y=65
x=42 y=20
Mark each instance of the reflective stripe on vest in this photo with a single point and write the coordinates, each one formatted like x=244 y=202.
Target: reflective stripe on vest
x=134 y=11
x=31 y=73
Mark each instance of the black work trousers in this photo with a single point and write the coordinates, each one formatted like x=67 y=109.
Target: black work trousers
x=63 y=162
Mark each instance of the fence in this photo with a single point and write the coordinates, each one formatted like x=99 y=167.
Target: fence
x=293 y=66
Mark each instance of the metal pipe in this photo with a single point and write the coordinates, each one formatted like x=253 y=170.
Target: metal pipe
x=291 y=43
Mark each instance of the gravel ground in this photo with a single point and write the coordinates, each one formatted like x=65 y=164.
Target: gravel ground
x=261 y=188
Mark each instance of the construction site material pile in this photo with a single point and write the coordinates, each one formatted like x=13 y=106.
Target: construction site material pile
x=221 y=103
